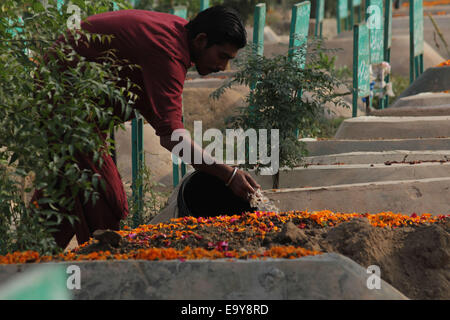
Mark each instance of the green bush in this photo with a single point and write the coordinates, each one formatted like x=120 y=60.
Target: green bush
x=47 y=117
x=152 y=200
x=276 y=102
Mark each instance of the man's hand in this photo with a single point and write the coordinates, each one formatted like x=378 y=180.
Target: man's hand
x=243 y=185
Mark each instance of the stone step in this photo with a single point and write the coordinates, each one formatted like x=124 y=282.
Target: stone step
x=432 y=80
x=407 y=197
x=335 y=146
x=379 y=157
x=416 y=111
x=422 y=100
x=329 y=175
x=370 y=127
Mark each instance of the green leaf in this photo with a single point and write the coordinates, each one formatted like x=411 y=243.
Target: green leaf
x=71 y=150
x=14 y=157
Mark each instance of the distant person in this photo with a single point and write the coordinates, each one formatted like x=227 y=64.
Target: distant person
x=165 y=47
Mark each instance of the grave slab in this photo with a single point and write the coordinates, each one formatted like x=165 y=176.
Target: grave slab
x=419 y=111
x=371 y=127
x=327 y=147
x=423 y=100
x=329 y=175
x=406 y=197
x=432 y=80
x=326 y=276
x=379 y=157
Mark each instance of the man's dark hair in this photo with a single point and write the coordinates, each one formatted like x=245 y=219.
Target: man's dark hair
x=221 y=24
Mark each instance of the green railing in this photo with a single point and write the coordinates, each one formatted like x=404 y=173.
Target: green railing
x=361 y=65
x=355 y=6
x=378 y=21
x=178 y=166
x=416 y=45
x=320 y=15
x=342 y=16
x=298 y=38
x=387 y=43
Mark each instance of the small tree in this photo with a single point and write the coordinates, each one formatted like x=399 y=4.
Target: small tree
x=48 y=116
x=277 y=100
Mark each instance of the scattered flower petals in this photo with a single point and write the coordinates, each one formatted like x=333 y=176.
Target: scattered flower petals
x=258 y=224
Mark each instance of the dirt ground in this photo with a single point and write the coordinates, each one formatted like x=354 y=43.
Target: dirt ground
x=415 y=259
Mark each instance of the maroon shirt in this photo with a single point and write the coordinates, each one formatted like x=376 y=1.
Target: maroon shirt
x=158 y=43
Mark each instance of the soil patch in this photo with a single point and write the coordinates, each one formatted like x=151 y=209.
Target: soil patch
x=413 y=253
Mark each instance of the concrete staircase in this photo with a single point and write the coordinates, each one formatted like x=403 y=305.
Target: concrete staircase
x=374 y=164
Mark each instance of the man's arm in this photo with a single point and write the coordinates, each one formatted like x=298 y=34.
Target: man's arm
x=242 y=184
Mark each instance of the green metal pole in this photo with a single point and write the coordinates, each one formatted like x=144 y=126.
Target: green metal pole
x=134 y=3
x=416 y=67
x=411 y=43
x=298 y=39
x=360 y=8
x=352 y=14
x=180 y=11
x=258 y=29
x=421 y=63
x=137 y=166
x=358 y=5
x=376 y=34
x=387 y=44
x=258 y=32
x=355 y=71
x=361 y=64
x=140 y=148
x=342 y=13
x=320 y=12
x=258 y=35
x=175 y=171
x=416 y=43
x=204 y=4
x=299 y=30
x=134 y=155
x=259 y=21
x=59 y=4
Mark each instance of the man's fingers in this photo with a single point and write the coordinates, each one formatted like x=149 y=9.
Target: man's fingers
x=248 y=188
x=252 y=181
x=242 y=185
